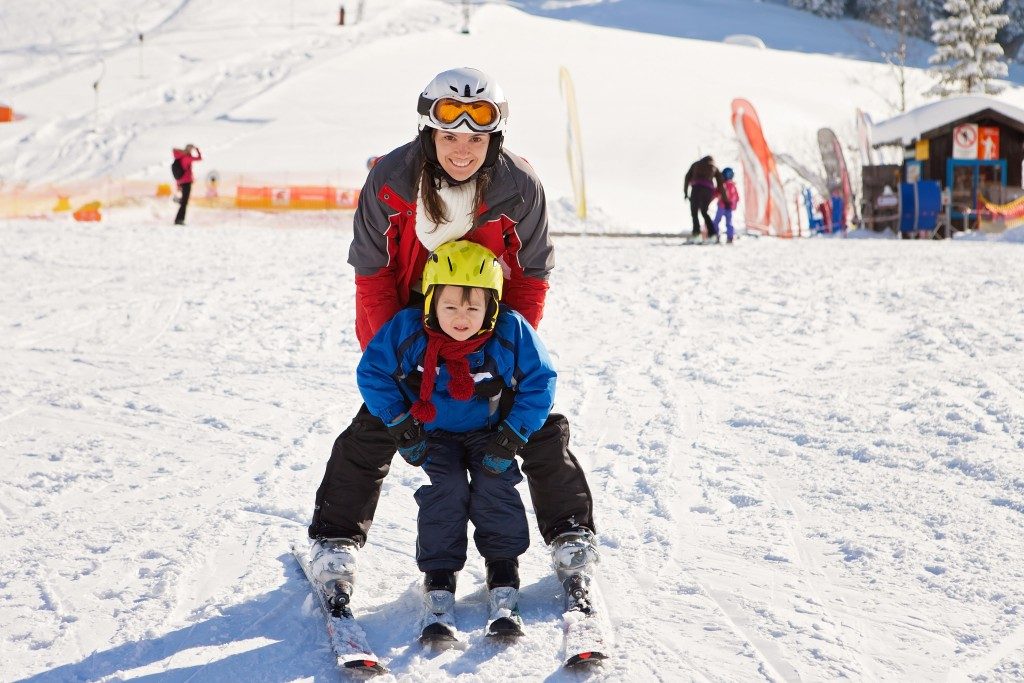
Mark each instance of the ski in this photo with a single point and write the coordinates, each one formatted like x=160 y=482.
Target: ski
x=586 y=639
x=505 y=628
x=439 y=637
x=348 y=640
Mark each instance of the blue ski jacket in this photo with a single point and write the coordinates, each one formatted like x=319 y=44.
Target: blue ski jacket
x=514 y=354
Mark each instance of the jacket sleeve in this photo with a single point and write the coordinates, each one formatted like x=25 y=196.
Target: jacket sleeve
x=378 y=368
x=370 y=255
x=527 y=287
x=527 y=295
x=720 y=183
x=198 y=155
x=534 y=375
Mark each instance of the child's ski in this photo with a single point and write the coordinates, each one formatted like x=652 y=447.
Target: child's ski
x=348 y=640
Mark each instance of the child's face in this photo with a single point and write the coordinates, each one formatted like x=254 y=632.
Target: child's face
x=458 y=315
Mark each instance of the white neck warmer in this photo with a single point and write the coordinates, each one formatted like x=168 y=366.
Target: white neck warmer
x=459 y=201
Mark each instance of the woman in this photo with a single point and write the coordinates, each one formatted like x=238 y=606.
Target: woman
x=183 y=159
x=702 y=180
x=454 y=181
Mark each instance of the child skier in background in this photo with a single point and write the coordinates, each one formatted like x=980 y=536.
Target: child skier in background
x=727 y=203
x=473 y=413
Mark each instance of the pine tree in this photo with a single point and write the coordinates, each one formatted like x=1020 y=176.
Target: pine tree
x=967 y=56
x=832 y=9
x=1012 y=35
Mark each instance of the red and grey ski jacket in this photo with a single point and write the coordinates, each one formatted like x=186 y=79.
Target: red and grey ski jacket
x=186 y=163
x=388 y=257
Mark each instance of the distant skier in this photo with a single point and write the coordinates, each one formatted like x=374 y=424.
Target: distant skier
x=453 y=181
x=181 y=169
x=727 y=204
x=465 y=418
x=699 y=185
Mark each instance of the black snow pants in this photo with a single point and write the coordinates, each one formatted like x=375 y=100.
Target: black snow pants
x=361 y=458
x=700 y=200
x=186 y=191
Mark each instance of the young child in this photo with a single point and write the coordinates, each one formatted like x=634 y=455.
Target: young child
x=727 y=204
x=473 y=413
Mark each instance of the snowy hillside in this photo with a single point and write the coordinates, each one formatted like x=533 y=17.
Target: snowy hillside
x=277 y=90
x=805 y=454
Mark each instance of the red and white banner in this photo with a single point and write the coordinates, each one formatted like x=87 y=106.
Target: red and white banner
x=764 y=199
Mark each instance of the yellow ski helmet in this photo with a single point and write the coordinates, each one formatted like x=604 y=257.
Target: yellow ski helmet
x=467 y=264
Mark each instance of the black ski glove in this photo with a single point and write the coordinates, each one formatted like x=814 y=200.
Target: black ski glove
x=503 y=446
x=410 y=439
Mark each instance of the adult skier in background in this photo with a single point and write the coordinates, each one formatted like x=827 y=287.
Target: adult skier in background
x=702 y=180
x=458 y=418
x=181 y=168
x=453 y=181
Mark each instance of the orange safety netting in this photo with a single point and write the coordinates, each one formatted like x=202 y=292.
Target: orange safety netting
x=266 y=193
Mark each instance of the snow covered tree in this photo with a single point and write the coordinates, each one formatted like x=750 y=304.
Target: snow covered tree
x=832 y=9
x=967 y=56
x=1012 y=35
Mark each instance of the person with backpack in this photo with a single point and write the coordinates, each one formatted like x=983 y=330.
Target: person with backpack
x=436 y=377
x=727 y=204
x=181 y=169
x=699 y=185
x=453 y=181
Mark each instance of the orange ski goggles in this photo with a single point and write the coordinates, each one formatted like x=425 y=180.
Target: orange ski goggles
x=482 y=116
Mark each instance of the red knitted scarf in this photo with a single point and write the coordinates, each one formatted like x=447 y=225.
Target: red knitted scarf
x=460 y=382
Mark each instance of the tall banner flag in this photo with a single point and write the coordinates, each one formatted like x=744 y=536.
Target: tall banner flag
x=836 y=176
x=573 y=142
x=867 y=152
x=764 y=198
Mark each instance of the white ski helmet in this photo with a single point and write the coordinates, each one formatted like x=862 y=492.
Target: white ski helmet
x=464 y=101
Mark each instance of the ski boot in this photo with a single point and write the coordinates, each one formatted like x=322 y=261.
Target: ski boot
x=437 y=626
x=574 y=555
x=333 y=561
x=503 y=618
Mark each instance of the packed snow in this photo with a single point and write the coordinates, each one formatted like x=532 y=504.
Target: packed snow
x=805 y=454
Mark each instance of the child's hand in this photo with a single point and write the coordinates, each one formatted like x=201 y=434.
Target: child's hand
x=502 y=448
x=410 y=439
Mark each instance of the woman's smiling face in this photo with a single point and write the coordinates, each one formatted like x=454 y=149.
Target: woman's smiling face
x=461 y=154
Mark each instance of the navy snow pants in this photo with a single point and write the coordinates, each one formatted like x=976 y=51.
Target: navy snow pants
x=452 y=499
x=348 y=495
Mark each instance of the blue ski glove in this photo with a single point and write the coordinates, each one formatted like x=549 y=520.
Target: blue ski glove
x=502 y=448
x=410 y=439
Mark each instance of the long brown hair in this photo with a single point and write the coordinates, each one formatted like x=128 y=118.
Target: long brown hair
x=434 y=206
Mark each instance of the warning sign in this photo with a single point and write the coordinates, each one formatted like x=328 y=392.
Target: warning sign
x=965 y=141
x=988 y=142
